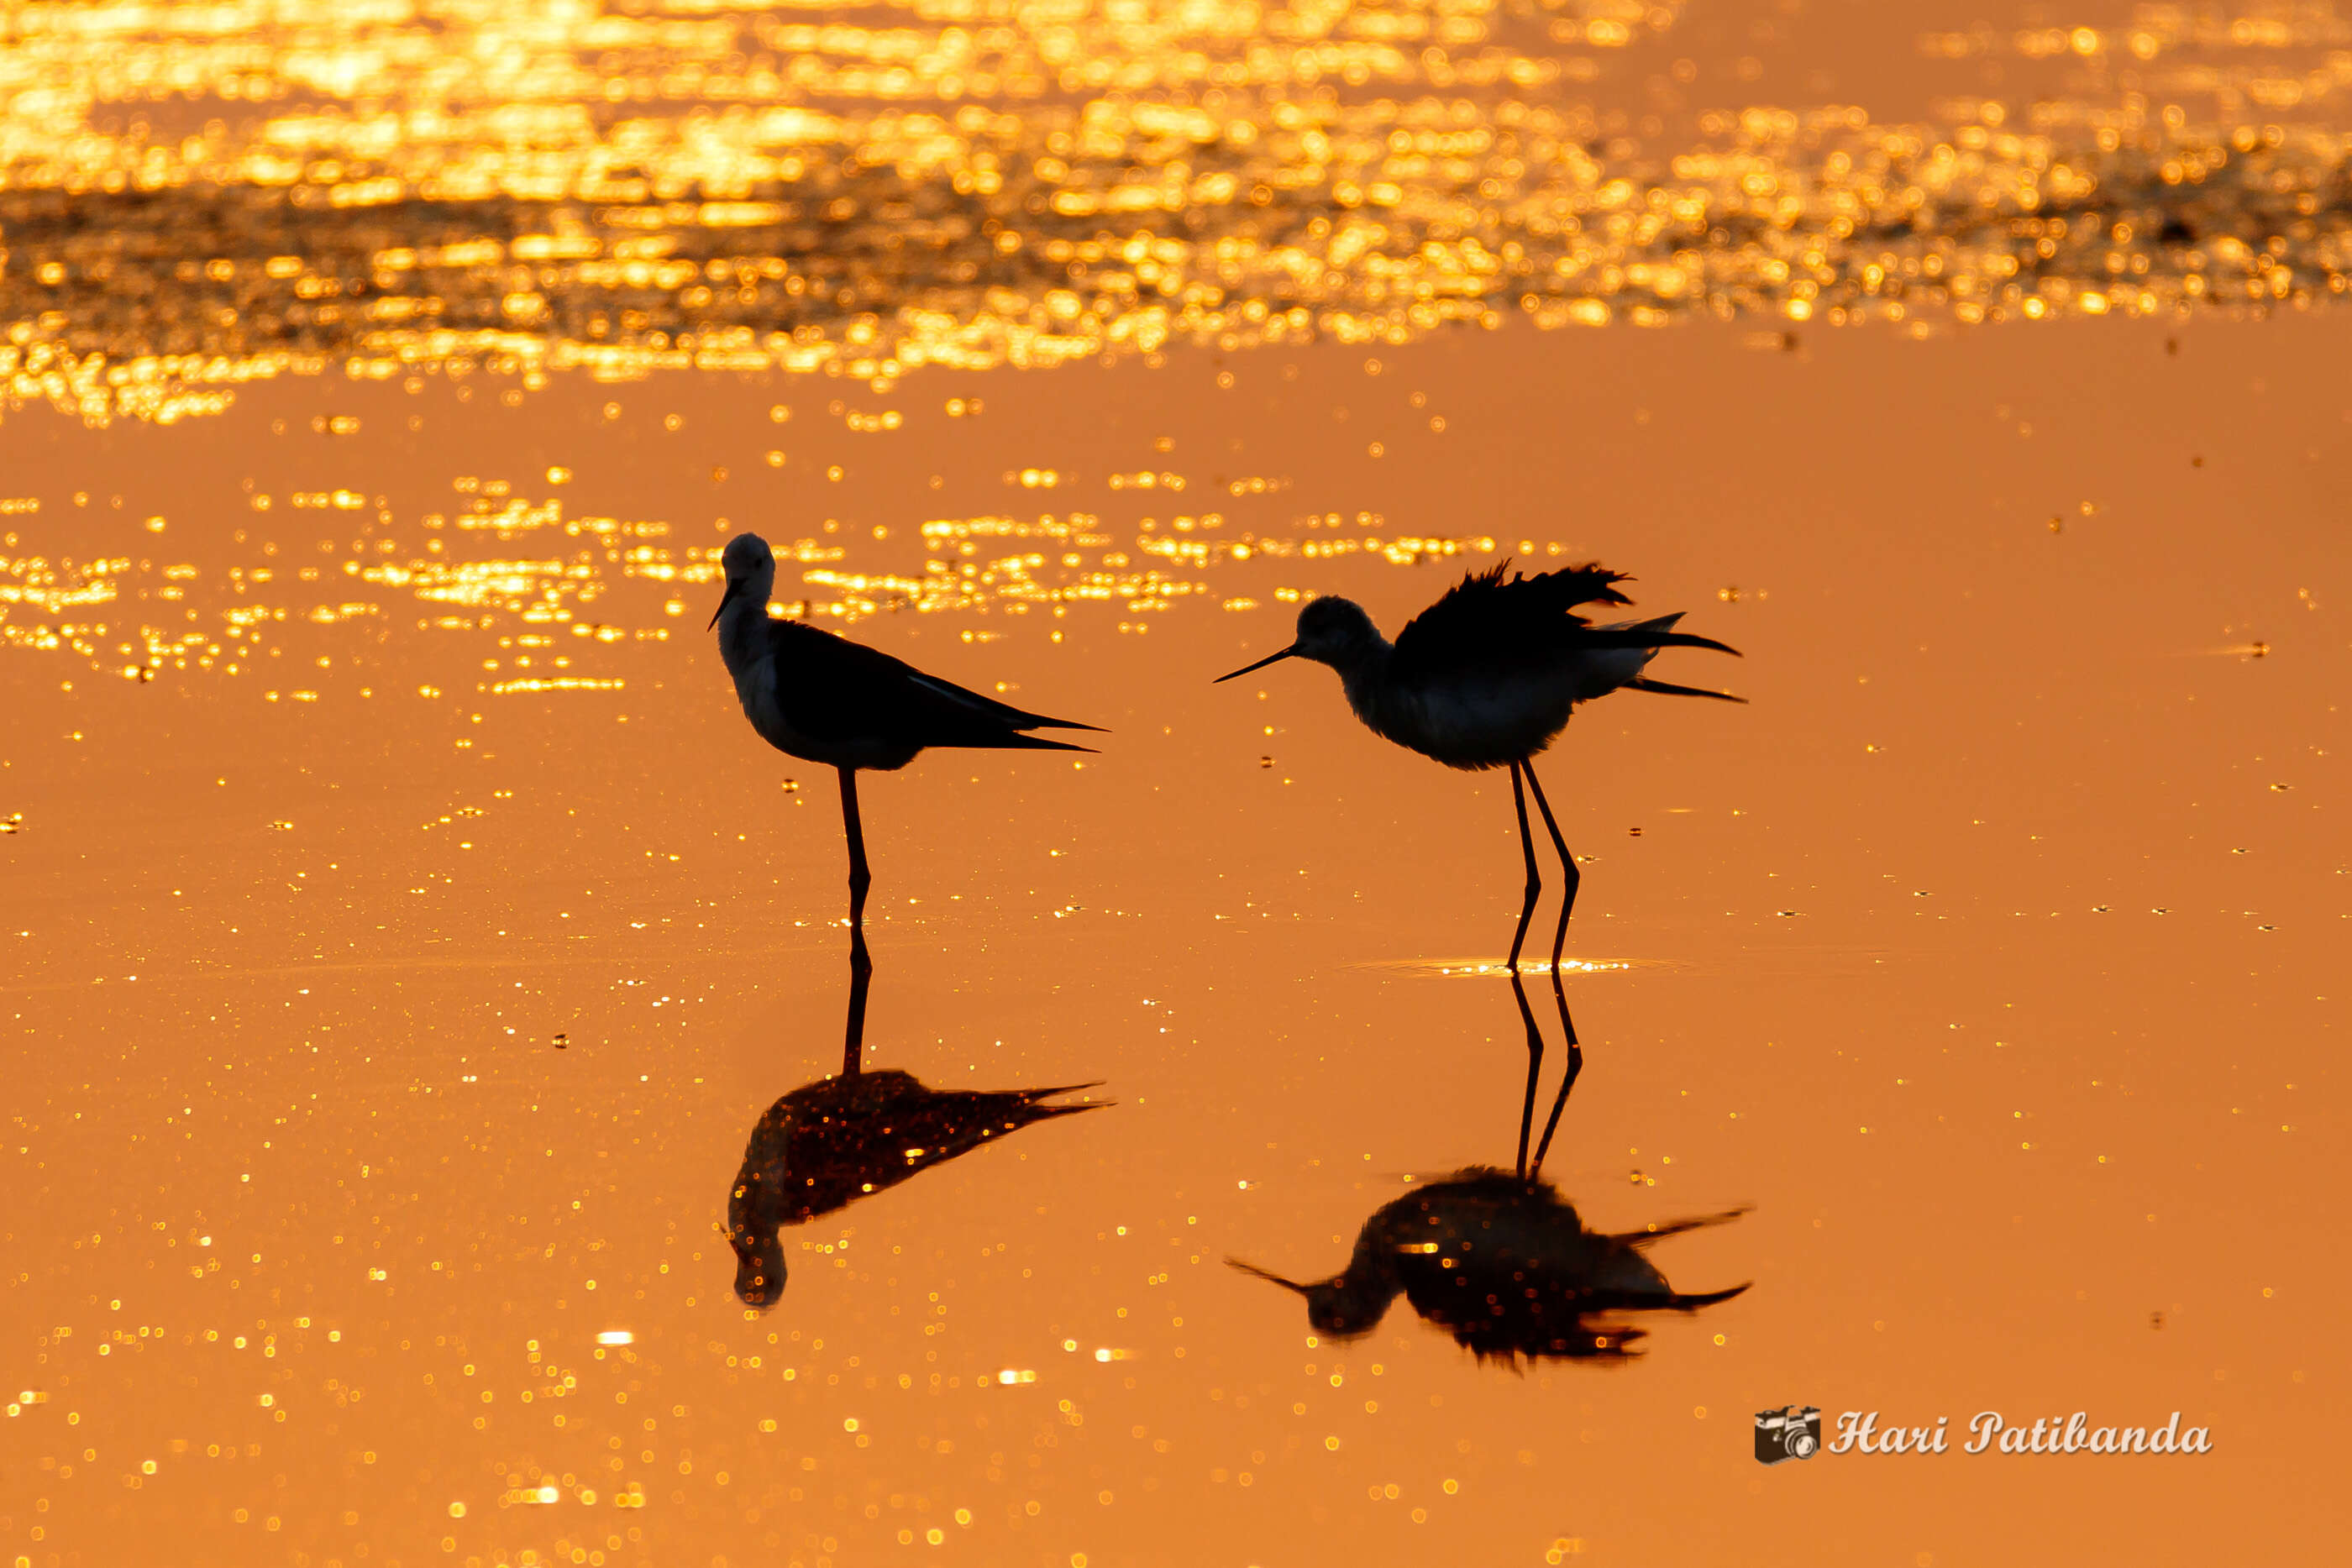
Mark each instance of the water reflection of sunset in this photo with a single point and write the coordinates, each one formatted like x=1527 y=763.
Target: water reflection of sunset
x=402 y=930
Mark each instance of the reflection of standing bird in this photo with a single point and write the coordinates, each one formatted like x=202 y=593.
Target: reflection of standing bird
x=814 y=695
x=1486 y=677
x=831 y=1142
x=1504 y=1265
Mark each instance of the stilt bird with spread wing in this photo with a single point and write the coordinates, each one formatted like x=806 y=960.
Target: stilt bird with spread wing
x=1487 y=677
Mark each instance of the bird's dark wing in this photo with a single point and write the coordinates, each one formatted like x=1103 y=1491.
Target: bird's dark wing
x=1005 y=712
x=833 y=689
x=1485 y=625
x=851 y=1137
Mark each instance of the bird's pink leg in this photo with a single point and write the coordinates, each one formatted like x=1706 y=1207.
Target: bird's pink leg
x=1534 y=877
x=860 y=878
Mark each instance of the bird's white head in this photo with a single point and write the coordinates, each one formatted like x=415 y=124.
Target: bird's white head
x=751 y=568
x=1334 y=631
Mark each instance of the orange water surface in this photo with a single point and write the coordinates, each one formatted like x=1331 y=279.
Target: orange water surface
x=403 y=935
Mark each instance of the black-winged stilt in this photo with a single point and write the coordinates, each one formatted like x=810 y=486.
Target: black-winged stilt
x=1500 y=1260
x=1505 y=1266
x=829 y=1143
x=824 y=699
x=1486 y=677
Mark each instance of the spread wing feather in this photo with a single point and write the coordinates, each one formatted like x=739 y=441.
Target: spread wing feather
x=1488 y=626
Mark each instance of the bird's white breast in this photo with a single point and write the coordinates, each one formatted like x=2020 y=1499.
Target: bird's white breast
x=1483 y=723
x=755 y=688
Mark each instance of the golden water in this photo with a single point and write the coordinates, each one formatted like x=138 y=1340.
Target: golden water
x=402 y=933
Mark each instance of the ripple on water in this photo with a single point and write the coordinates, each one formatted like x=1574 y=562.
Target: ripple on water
x=754 y=192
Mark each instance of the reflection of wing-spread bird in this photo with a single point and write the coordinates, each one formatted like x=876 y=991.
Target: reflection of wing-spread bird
x=1505 y=1266
x=833 y=1142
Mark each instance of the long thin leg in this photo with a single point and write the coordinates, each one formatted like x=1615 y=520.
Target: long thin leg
x=859 y=877
x=1559 y=943
x=1567 y=1079
x=1568 y=867
x=1534 y=877
x=852 y=1048
x=1535 y=1070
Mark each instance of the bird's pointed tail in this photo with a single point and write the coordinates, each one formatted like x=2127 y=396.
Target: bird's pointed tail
x=1640 y=637
x=1034 y=1094
x=1032 y=1101
x=1680 y=1302
x=1013 y=740
x=1665 y=1228
x=1644 y=683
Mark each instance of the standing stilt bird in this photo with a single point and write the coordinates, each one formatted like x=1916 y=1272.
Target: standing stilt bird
x=814 y=695
x=1486 y=677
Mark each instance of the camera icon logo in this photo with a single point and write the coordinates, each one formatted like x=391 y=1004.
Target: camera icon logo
x=1788 y=1433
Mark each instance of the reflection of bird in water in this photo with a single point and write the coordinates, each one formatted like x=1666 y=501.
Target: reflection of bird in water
x=1503 y=1264
x=1486 y=677
x=1500 y=1260
x=836 y=1141
x=814 y=695
x=829 y=1143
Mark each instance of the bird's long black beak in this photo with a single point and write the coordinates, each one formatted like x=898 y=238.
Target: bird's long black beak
x=1271 y=658
x=1254 y=1268
x=734 y=587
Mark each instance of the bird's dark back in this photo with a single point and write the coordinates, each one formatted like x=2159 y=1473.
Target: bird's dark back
x=829 y=688
x=834 y=1142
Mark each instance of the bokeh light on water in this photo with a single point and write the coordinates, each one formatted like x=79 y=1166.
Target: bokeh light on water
x=195 y=199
